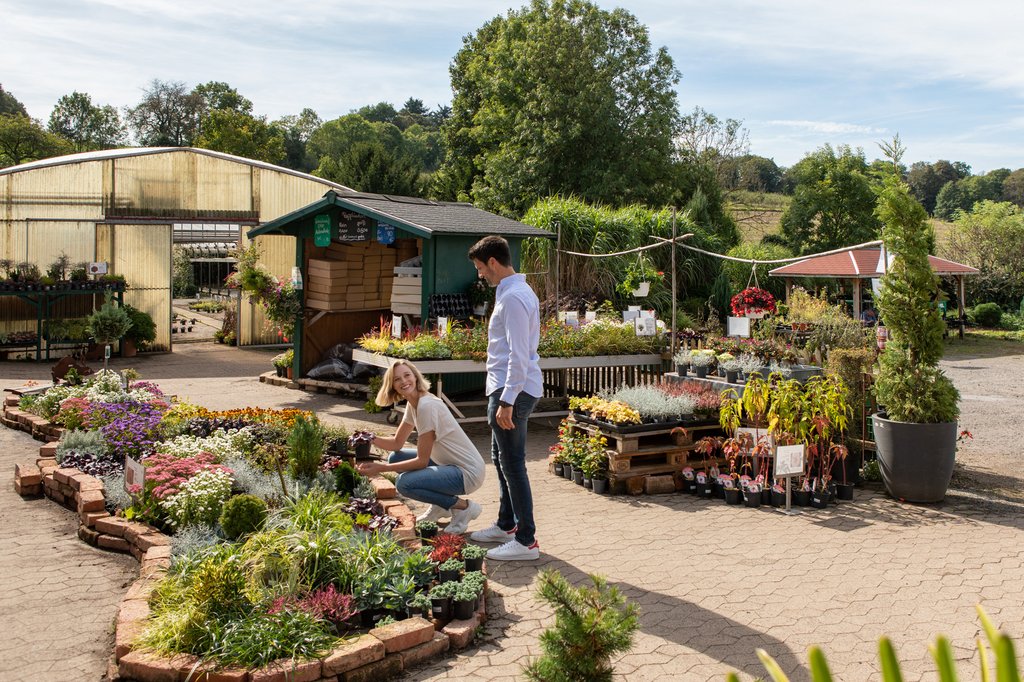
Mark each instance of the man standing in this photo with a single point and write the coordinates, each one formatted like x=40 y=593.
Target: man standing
x=514 y=385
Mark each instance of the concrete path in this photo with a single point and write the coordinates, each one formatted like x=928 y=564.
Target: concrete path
x=714 y=582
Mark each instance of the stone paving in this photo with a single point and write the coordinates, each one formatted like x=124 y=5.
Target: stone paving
x=714 y=583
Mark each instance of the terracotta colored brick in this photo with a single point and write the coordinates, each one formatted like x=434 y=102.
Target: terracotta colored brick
x=461 y=632
x=133 y=530
x=136 y=552
x=137 y=665
x=11 y=400
x=144 y=542
x=150 y=564
x=132 y=609
x=158 y=552
x=28 y=490
x=141 y=589
x=49 y=482
x=86 y=482
x=113 y=525
x=91 y=500
x=386 y=669
x=388 y=505
x=404 y=634
x=27 y=474
x=88 y=535
x=63 y=475
x=362 y=651
x=46 y=461
x=56 y=496
x=225 y=675
x=89 y=519
x=125 y=635
x=385 y=489
x=113 y=543
x=659 y=485
x=437 y=645
x=285 y=671
x=404 y=535
x=66 y=490
x=48 y=451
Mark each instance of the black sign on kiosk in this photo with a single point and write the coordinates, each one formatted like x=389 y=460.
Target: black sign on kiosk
x=353 y=227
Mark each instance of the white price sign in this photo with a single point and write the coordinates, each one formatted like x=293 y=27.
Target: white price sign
x=789 y=460
x=134 y=474
x=396 y=326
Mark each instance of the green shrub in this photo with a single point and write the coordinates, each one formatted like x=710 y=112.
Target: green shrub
x=242 y=515
x=346 y=478
x=305 y=448
x=592 y=624
x=109 y=323
x=988 y=314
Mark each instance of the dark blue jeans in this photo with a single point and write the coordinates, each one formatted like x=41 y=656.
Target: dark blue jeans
x=508 y=452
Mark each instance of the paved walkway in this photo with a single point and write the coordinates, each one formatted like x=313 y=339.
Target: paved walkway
x=713 y=582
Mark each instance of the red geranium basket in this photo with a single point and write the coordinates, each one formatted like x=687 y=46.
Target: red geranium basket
x=752 y=300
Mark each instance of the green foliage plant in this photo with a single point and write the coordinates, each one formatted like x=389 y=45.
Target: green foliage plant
x=305 y=448
x=143 y=328
x=910 y=385
x=592 y=624
x=346 y=478
x=1005 y=668
x=242 y=514
x=987 y=314
x=474 y=552
x=109 y=322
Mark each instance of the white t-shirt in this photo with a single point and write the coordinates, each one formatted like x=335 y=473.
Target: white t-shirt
x=451 y=444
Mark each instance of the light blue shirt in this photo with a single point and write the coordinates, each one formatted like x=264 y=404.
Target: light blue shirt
x=513 y=335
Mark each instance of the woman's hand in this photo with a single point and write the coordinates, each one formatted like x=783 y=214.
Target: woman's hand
x=369 y=468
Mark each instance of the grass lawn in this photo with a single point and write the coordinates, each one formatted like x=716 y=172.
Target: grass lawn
x=986 y=342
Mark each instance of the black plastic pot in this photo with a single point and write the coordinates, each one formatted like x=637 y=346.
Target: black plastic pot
x=588 y=483
x=766 y=496
x=681 y=370
x=577 y=476
x=689 y=486
x=700 y=372
x=718 y=490
x=427 y=534
x=844 y=491
x=463 y=610
x=777 y=499
x=600 y=486
x=441 y=609
x=916 y=460
x=730 y=376
x=704 y=490
x=474 y=564
x=448 y=576
x=752 y=499
x=802 y=498
x=559 y=469
x=820 y=499
x=369 y=617
x=362 y=451
x=567 y=471
x=733 y=495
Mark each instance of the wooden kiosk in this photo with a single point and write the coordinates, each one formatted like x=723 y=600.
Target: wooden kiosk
x=350 y=250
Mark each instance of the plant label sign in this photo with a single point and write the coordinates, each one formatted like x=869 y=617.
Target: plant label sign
x=322 y=230
x=645 y=326
x=385 y=233
x=396 y=326
x=739 y=326
x=134 y=474
x=442 y=326
x=789 y=460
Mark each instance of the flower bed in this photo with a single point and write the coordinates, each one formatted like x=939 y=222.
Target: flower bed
x=311 y=585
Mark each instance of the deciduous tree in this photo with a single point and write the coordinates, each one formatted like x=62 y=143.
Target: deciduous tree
x=86 y=125
x=369 y=167
x=23 y=139
x=9 y=104
x=560 y=97
x=168 y=115
x=234 y=132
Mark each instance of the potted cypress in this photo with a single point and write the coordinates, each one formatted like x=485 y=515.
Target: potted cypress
x=108 y=324
x=142 y=331
x=916 y=431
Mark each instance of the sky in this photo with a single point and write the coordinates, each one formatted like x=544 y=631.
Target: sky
x=948 y=77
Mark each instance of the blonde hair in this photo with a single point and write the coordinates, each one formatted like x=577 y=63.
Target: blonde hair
x=387 y=395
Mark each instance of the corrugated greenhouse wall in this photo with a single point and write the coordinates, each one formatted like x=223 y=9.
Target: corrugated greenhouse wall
x=140 y=253
x=276 y=194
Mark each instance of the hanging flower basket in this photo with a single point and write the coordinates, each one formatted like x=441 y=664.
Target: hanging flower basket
x=753 y=302
x=642 y=289
x=638 y=277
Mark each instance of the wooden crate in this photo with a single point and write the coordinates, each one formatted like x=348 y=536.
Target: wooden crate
x=651 y=440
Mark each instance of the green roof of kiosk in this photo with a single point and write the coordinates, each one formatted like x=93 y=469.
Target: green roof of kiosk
x=422 y=218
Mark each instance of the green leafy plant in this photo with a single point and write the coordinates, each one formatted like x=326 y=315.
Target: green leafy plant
x=987 y=314
x=910 y=385
x=474 y=552
x=592 y=624
x=143 y=328
x=453 y=564
x=443 y=590
x=641 y=270
x=305 y=448
x=1002 y=646
x=346 y=479
x=109 y=322
x=243 y=514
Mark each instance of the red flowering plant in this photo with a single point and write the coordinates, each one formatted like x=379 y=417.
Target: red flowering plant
x=752 y=300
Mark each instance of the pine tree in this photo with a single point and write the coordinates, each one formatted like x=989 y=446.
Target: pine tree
x=592 y=624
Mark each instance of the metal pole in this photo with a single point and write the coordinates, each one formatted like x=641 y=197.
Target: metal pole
x=558 y=260
x=672 y=346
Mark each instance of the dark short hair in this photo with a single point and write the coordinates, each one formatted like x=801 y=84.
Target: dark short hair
x=491 y=247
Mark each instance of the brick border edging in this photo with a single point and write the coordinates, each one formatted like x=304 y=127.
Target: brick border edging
x=381 y=653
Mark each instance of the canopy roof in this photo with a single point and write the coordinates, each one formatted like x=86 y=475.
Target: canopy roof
x=863 y=263
x=422 y=217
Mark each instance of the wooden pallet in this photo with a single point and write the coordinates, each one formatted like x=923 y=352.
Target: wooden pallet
x=657 y=439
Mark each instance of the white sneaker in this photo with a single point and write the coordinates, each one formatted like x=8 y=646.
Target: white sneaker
x=462 y=517
x=514 y=551
x=434 y=513
x=492 y=534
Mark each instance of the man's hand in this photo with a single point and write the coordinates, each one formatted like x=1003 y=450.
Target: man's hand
x=504 y=417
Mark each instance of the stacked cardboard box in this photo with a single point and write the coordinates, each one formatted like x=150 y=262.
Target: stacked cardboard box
x=352 y=276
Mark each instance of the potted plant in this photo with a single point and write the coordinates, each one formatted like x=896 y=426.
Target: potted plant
x=701 y=360
x=441 y=600
x=638 y=277
x=803 y=309
x=360 y=442
x=916 y=431
x=450 y=570
x=682 y=362
x=108 y=324
x=426 y=529
x=473 y=556
x=480 y=295
x=731 y=366
x=142 y=331
x=752 y=302
x=464 y=601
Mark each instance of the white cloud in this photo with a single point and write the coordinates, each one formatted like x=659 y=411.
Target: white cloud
x=826 y=127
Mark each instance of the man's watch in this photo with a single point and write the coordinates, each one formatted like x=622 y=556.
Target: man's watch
x=502 y=403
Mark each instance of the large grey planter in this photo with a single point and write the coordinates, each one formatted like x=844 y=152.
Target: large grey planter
x=916 y=460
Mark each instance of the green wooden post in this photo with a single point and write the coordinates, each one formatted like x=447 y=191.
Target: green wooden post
x=300 y=256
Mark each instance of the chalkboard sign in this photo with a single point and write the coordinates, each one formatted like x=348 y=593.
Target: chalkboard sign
x=353 y=227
